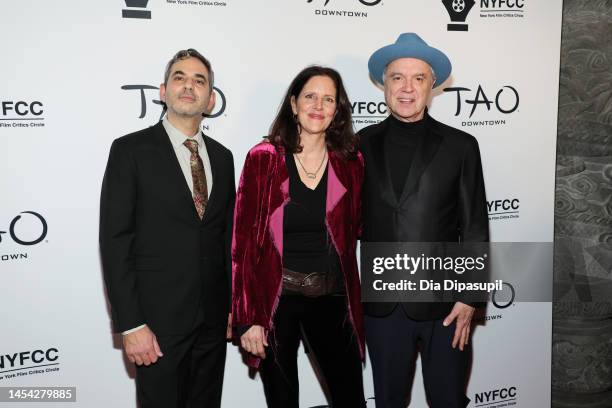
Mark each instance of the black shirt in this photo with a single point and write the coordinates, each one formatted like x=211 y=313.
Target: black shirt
x=401 y=144
x=307 y=246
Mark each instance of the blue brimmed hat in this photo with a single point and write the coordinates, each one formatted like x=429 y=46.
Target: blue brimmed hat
x=409 y=45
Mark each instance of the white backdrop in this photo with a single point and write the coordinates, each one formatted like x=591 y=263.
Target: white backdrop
x=71 y=64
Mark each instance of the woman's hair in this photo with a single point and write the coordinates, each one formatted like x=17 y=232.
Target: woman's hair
x=339 y=136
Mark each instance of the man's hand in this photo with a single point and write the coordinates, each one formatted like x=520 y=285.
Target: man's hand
x=228 y=331
x=254 y=341
x=141 y=347
x=463 y=313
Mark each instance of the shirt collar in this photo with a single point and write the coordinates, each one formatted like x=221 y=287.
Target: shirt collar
x=177 y=138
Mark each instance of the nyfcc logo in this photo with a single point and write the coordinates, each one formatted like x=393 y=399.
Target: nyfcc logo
x=29 y=362
x=368 y=112
x=22 y=114
x=458 y=11
x=504 y=209
x=502 y=8
x=136 y=9
x=501 y=397
x=200 y=3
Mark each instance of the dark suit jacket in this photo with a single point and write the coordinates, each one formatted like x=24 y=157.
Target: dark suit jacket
x=163 y=266
x=443 y=199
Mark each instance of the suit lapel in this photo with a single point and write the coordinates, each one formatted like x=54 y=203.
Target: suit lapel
x=171 y=167
x=379 y=164
x=427 y=146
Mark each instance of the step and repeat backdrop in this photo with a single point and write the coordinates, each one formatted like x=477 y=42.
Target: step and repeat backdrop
x=78 y=74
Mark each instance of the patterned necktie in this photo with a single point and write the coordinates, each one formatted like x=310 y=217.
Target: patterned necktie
x=200 y=189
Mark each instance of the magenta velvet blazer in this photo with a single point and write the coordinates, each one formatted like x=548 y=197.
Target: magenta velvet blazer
x=257 y=244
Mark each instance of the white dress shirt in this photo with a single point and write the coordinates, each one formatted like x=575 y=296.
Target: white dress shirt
x=183 y=154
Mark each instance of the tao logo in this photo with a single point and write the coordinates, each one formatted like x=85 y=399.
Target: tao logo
x=20 y=241
x=364 y=2
x=506 y=302
x=221 y=101
x=511 y=103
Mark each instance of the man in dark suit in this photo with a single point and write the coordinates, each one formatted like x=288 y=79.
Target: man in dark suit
x=423 y=183
x=165 y=234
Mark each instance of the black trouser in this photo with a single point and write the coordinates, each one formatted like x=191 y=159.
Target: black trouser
x=189 y=375
x=331 y=339
x=392 y=344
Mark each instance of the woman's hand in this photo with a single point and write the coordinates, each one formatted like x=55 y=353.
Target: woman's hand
x=254 y=341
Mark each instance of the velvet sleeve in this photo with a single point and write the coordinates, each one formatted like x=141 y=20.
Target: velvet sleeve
x=358 y=184
x=249 y=228
x=229 y=227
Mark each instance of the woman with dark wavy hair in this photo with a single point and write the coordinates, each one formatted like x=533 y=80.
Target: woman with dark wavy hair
x=296 y=225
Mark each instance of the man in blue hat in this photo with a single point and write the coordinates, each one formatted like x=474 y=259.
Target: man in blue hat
x=423 y=183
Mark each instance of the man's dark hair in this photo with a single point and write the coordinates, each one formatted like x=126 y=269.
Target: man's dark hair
x=190 y=53
x=339 y=136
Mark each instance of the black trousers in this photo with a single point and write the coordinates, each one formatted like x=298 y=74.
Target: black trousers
x=189 y=375
x=331 y=339
x=393 y=342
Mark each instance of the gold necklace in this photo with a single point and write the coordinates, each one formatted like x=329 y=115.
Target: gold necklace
x=309 y=174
